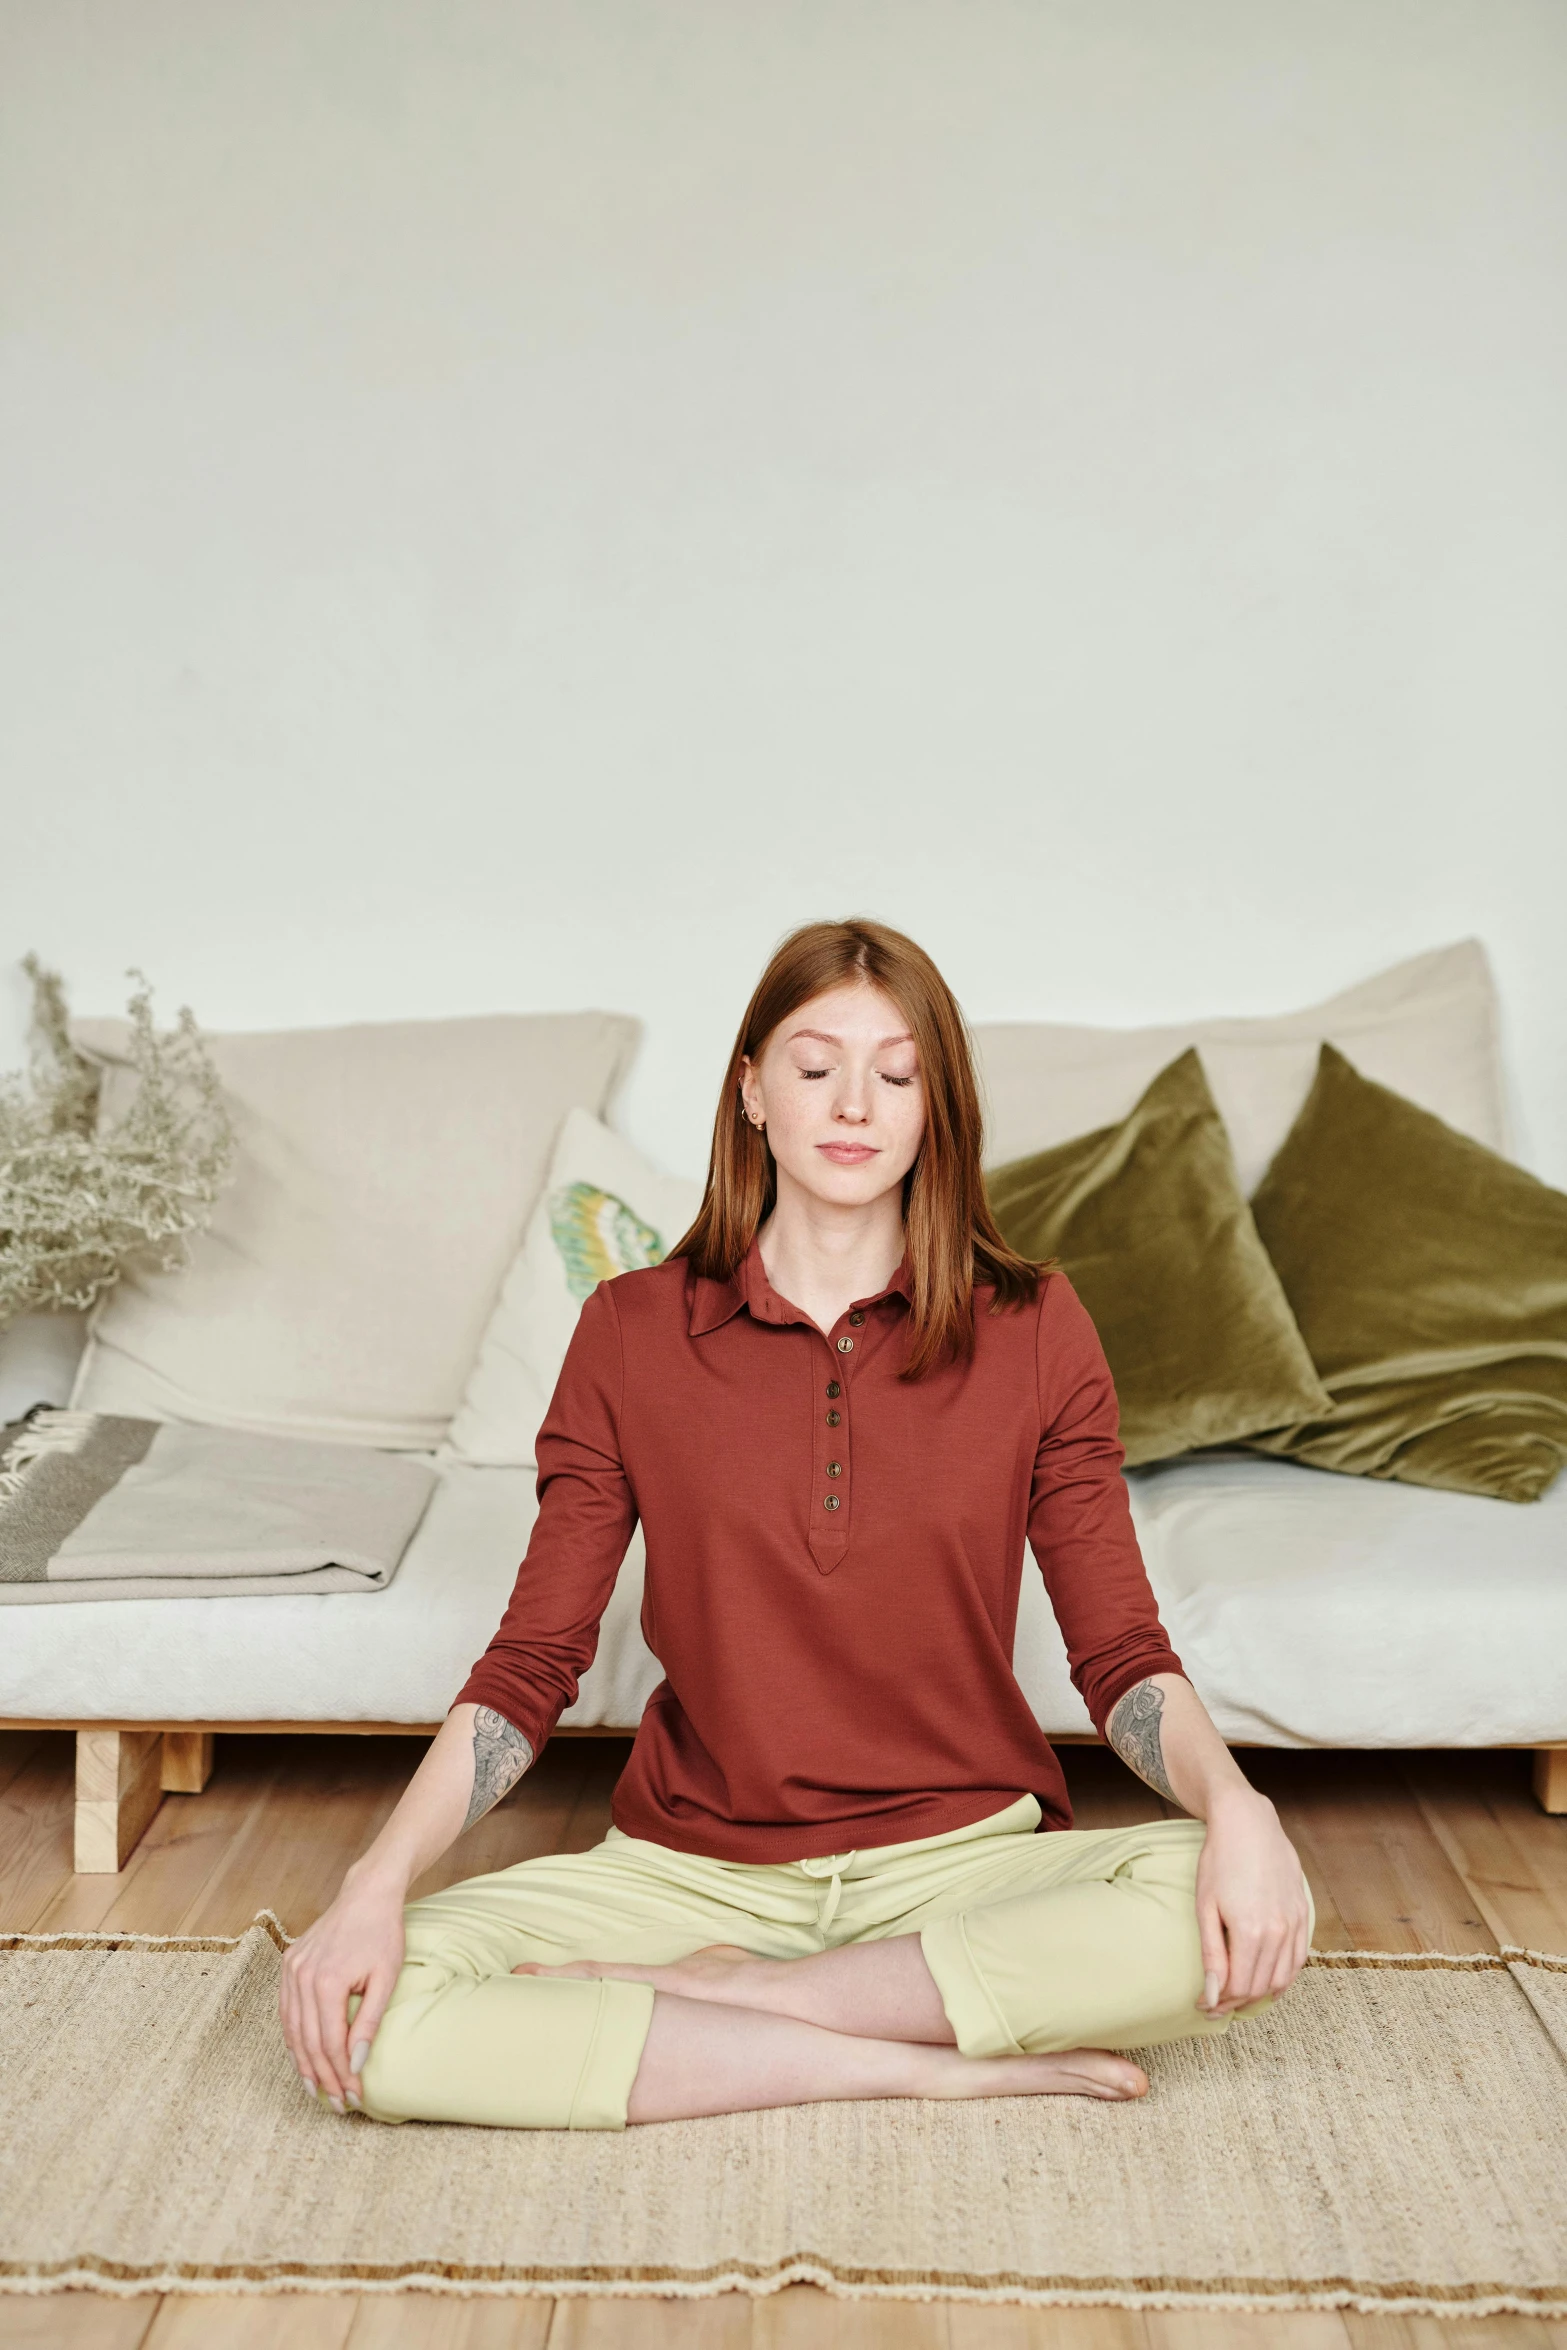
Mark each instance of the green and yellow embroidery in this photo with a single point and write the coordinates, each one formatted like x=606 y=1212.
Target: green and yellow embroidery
x=598 y=1237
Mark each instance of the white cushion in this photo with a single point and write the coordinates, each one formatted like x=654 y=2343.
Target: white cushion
x=1307 y=1608
x=1315 y=1609
x=1427 y=1028
x=604 y=1211
x=398 y=1655
x=385 y=1176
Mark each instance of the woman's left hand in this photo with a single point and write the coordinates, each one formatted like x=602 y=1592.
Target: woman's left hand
x=1252 y=1906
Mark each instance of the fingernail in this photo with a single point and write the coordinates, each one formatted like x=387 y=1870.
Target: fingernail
x=353 y=2101
x=308 y=2085
x=336 y=2103
x=1210 y=1990
x=357 y=2054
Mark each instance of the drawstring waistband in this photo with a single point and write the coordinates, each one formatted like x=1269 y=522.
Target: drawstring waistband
x=831 y=1865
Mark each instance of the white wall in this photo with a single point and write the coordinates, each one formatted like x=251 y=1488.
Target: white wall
x=514 y=503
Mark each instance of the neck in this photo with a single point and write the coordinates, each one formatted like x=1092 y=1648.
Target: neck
x=821 y=1257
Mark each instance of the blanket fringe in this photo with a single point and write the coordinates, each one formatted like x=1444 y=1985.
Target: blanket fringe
x=45 y=1432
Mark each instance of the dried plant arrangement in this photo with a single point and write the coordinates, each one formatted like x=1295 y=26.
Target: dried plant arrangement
x=78 y=1203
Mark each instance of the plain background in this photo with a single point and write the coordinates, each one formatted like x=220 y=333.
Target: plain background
x=514 y=505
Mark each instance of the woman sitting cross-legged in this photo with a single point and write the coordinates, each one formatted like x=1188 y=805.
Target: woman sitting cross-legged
x=842 y=1863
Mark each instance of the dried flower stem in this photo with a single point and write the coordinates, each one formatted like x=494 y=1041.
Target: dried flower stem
x=80 y=1199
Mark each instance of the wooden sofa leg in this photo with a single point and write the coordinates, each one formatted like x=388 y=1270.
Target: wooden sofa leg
x=1550 y=1777
x=187 y=1761
x=117 y=1792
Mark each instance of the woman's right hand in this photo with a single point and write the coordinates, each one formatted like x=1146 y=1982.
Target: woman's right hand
x=356 y=1945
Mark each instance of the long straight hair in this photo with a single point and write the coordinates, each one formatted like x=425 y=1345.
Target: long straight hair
x=950 y=1236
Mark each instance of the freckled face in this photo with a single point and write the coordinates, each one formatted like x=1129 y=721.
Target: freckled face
x=839 y=1085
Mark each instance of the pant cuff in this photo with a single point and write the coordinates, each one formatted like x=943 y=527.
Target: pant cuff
x=977 y=2022
x=614 y=2052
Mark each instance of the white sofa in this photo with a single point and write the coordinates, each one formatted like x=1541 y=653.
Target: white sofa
x=1309 y=1609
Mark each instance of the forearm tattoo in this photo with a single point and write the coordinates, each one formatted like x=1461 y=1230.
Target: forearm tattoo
x=500 y=1756
x=1134 y=1733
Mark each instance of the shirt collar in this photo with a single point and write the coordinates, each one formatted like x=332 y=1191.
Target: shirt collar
x=715 y=1302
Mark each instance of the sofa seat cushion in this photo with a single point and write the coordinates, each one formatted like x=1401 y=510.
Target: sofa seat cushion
x=1310 y=1609
x=1314 y=1609
x=398 y=1655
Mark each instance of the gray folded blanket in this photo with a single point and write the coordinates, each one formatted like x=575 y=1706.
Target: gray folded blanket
x=94 y=1506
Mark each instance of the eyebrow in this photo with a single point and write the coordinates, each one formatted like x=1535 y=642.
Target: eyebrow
x=821 y=1036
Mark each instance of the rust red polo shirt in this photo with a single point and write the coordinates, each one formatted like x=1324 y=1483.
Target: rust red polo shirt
x=833 y=1559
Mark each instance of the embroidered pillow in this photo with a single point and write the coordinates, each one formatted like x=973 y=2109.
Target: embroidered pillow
x=604 y=1211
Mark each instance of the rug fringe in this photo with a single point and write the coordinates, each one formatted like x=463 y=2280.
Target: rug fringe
x=1507 y=1954
x=267 y=1919
x=1400 y=2300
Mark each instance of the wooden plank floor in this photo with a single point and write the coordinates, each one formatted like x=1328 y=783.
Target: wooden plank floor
x=1411 y=1852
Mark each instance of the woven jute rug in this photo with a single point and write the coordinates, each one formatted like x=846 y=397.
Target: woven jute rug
x=1392 y=2136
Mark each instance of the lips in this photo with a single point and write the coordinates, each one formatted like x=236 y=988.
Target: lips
x=847 y=1154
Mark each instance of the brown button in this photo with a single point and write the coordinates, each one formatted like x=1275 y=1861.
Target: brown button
x=833 y=1418
x=857 y=1321
x=832 y=1502
x=846 y=1346
x=835 y=1468
x=833 y=1388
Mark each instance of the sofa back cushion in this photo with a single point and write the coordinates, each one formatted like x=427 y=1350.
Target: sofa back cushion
x=384 y=1178
x=1428 y=1028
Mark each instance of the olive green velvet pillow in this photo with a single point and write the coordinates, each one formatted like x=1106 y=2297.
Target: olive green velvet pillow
x=1150 y=1225
x=1429 y=1279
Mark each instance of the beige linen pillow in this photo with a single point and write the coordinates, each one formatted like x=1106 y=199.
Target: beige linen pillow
x=384 y=1178
x=1427 y=1028
x=604 y=1211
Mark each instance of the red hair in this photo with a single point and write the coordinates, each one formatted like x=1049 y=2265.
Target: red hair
x=950 y=1234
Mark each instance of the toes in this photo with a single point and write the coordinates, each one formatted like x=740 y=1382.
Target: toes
x=1108 y=2076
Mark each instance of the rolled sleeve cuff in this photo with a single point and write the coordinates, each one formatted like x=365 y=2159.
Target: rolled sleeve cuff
x=491 y=1689
x=1104 y=1699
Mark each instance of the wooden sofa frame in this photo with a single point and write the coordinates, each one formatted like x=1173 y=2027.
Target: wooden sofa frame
x=124 y=1769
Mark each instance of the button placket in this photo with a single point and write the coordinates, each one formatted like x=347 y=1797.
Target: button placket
x=830 y=1458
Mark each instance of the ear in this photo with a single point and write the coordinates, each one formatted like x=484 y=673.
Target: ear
x=751 y=1091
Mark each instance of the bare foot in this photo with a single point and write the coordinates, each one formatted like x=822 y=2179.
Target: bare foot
x=706 y=1974
x=1074 y=2072
x=719 y=1973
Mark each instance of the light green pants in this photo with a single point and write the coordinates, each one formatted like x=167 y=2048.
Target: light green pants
x=1078 y=1938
